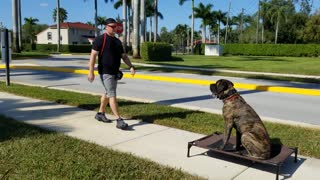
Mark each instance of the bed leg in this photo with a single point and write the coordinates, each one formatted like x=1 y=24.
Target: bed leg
x=278 y=170
x=295 y=154
x=189 y=146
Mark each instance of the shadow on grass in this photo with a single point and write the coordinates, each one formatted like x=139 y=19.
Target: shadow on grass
x=255 y=58
x=11 y=129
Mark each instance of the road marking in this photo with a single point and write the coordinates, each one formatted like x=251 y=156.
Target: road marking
x=279 y=89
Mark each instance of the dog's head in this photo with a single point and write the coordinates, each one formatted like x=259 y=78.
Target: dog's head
x=222 y=89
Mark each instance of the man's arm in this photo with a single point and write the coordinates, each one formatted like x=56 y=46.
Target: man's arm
x=92 y=62
x=126 y=60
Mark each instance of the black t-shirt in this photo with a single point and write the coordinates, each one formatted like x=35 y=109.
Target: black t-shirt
x=109 y=61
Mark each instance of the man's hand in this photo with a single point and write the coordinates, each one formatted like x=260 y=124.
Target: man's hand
x=133 y=72
x=91 y=77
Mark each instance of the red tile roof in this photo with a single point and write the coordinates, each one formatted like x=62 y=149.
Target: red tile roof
x=78 y=25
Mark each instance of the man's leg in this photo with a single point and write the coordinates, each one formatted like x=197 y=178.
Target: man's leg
x=100 y=116
x=114 y=106
x=104 y=100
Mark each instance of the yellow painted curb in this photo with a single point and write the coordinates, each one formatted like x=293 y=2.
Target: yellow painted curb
x=290 y=90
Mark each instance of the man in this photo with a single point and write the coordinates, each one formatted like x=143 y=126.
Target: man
x=110 y=51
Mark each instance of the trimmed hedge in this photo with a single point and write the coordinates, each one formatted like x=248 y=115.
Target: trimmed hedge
x=156 y=51
x=295 y=50
x=85 y=48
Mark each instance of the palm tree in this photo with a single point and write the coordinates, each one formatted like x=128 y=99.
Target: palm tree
x=204 y=13
x=221 y=17
x=96 y=15
x=63 y=15
x=29 y=23
x=192 y=20
x=213 y=25
x=277 y=12
x=126 y=12
x=149 y=8
x=90 y=23
x=181 y=33
x=100 y=21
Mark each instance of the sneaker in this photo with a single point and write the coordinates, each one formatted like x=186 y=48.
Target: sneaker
x=121 y=124
x=102 y=117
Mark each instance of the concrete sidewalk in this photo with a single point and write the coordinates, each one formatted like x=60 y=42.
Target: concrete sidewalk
x=167 y=146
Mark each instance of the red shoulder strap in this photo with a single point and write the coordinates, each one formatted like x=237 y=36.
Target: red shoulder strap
x=104 y=43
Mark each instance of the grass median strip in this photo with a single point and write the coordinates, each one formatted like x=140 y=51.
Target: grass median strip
x=28 y=152
x=306 y=139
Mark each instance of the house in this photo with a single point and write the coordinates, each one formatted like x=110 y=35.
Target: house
x=70 y=33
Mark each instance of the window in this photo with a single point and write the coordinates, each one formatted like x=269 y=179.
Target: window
x=49 y=35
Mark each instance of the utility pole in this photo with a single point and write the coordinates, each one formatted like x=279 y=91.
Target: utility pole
x=226 y=35
x=58 y=25
x=258 y=18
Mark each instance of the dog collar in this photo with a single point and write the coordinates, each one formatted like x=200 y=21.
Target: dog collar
x=232 y=97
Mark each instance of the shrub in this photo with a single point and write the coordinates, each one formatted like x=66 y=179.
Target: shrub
x=158 y=51
x=295 y=50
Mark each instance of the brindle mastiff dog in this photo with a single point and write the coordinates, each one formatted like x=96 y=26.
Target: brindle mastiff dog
x=250 y=131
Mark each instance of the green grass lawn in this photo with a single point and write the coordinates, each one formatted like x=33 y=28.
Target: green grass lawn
x=306 y=139
x=28 y=152
x=290 y=65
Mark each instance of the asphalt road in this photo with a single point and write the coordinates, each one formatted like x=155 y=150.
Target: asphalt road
x=272 y=106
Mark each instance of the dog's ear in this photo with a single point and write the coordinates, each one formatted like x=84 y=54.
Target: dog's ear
x=213 y=88
x=223 y=85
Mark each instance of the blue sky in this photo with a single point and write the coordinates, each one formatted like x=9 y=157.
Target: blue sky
x=79 y=10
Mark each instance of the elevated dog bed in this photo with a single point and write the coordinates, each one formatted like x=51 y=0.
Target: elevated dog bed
x=279 y=153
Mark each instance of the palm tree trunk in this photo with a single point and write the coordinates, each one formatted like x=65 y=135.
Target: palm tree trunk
x=142 y=21
x=95 y=18
x=58 y=25
x=19 y=23
x=128 y=29
x=203 y=33
x=155 y=20
x=262 y=31
x=277 y=28
x=16 y=47
x=124 y=23
x=219 y=33
x=150 y=32
x=192 y=26
x=135 y=45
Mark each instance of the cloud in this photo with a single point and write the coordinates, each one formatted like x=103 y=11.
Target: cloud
x=43 y=4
